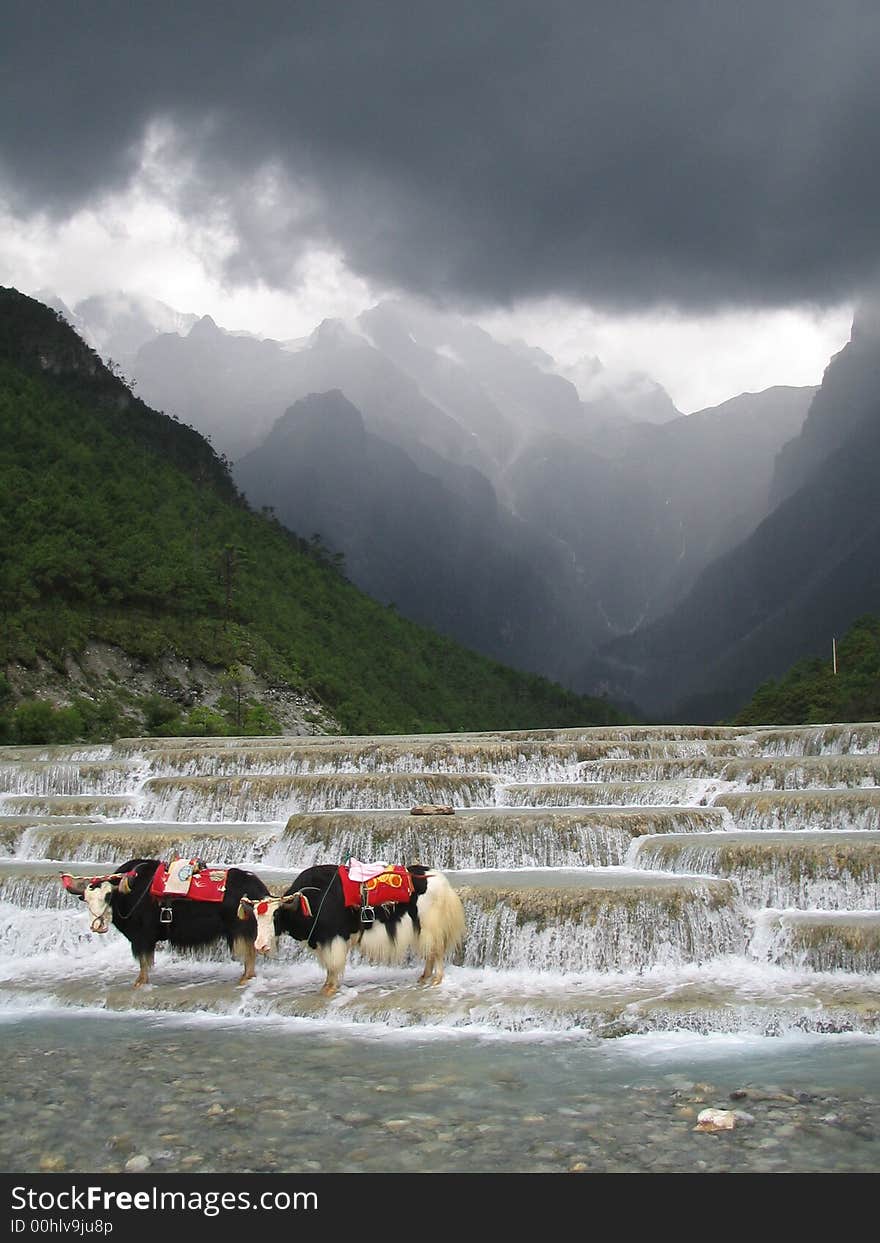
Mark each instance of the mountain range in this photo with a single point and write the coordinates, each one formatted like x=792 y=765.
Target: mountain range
x=807 y=571
x=138 y=589
x=562 y=520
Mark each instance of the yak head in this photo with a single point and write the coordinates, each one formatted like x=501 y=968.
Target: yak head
x=264 y=911
x=97 y=892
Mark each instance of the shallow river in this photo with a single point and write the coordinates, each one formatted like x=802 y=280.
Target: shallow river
x=174 y=1095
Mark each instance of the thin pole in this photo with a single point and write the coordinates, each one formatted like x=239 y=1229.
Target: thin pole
x=834 y=654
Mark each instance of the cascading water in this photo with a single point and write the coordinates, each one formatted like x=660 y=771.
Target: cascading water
x=803 y=809
x=824 y=871
x=484 y=837
x=631 y=881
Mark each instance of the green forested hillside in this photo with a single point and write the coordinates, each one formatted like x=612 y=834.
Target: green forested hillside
x=812 y=692
x=119 y=524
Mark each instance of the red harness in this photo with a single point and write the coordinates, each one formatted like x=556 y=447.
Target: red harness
x=205 y=885
x=393 y=885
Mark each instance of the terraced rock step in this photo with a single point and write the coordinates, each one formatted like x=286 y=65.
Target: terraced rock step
x=12 y=826
x=67 y=777
x=776 y=773
x=67 y=806
x=623 y=733
x=221 y=843
x=862 y=738
x=493 y=1002
x=610 y=794
x=820 y=940
x=275 y=798
x=485 y=837
x=66 y=753
x=812 y=869
x=525 y=760
x=599 y=921
x=661 y=734
x=545 y=921
x=804 y=772
x=803 y=809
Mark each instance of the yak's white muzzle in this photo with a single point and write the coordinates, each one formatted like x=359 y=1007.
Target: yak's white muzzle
x=97 y=899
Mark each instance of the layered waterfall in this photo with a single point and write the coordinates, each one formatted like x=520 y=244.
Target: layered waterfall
x=614 y=880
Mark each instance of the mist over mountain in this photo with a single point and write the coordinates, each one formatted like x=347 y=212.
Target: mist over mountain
x=451 y=557
x=645 y=512
x=500 y=396
x=470 y=483
x=630 y=393
x=231 y=388
x=117 y=324
x=808 y=570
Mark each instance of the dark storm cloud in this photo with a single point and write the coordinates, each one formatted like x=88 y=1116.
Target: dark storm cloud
x=690 y=151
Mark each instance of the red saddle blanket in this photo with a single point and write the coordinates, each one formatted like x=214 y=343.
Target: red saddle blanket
x=183 y=878
x=393 y=885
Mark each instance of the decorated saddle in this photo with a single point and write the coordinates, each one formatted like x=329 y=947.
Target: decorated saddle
x=189 y=878
x=374 y=884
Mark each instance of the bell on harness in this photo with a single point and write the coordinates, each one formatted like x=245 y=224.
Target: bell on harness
x=165 y=914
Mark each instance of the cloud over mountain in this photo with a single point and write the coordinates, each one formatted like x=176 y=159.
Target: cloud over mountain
x=693 y=154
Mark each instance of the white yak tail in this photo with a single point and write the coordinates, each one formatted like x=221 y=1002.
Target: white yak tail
x=441 y=918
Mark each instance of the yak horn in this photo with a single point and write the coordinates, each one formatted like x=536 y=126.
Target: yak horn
x=77 y=884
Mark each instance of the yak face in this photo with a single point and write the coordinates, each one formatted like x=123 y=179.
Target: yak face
x=98 y=898
x=264 y=913
x=97 y=893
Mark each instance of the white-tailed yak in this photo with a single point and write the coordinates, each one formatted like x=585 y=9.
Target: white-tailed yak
x=386 y=912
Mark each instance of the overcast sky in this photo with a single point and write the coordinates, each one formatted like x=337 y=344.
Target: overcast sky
x=688 y=186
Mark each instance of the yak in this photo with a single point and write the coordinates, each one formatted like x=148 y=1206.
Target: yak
x=316 y=908
x=125 y=898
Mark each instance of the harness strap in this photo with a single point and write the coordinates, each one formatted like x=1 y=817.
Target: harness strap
x=138 y=900
x=335 y=876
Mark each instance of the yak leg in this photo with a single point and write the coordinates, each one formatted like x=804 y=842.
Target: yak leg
x=332 y=958
x=433 y=972
x=146 y=961
x=244 y=949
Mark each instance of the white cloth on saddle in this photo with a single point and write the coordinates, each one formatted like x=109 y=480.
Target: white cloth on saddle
x=179 y=875
x=360 y=872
